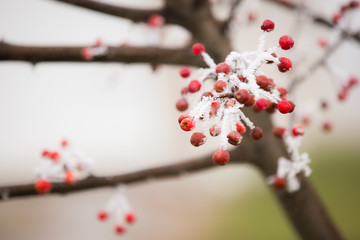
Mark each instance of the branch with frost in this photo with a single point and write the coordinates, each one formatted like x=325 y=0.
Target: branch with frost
x=125 y=54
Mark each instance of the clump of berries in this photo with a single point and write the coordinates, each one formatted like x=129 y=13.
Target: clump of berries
x=66 y=166
x=119 y=208
x=238 y=83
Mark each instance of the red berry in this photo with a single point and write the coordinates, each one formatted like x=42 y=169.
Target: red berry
x=198 y=48
x=214 y=107
x=64 y=143
x=279 y=132
x=268 y=25
x=130 y=218
x=234 y=138
x=182 y=104
x=342 y=95
x=241 y=78
x=242 y=96
x=223 y=68
x=282 y=91
x=155 y=20
x=256 y=133
x=240 y=128
x=194 y=86
x=327 y=126
x=219 y=86
x=70 y=178
x=207 y=94
x=271 y=107
x=261 y=104
x=119 y=229
x=250 y=101
x=353 y=81
x=221 y=157
x=354 y=4
x=187 y=124
x=86 y=53
x=284 y=65
x=214 y=130
x=279 y=183
x=336 y=17
x=183 y=116
x=102 y=215
x=292 y=106
x=284 y=106
x=264 y=82
x=298 y=131
x=286 y=42
x=323 y=42
x=184 y=91
x=185 y=72
x=54 y=156
x=45 y=153
x=197 y=139
x=99 y=42
x=43 y=186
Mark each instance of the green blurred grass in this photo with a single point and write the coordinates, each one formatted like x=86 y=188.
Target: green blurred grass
x=257 y=215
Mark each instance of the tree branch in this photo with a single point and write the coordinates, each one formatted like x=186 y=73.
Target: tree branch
x=124 y=54
x=136 y=15
x=241 y=154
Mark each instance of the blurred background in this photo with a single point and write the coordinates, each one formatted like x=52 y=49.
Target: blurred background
x=110 y=111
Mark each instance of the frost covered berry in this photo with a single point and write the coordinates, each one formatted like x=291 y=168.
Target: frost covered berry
x=54 y=156
x=256 y=133
x=183 y=116
x=250 y=101
x=219 y=86
x=182 y=104
x=198 y=48
x=279 y=132
x=155 y=20
x=261 y=104
x=70 y=178
x=223 y=68
x=197 y=139
x=242 y=96
x=119 y=229
x=185 y=72
x=130 y=218
x=214 y=130
x=240 y=128
x=282 y=91
x=43 y=186
x=265 y=83
x=102 y=215
x=284 y=65
x=284 y=106
x=297 y=131
x=279 y=183
x=234 y=138
x=194 y=86
x=187 y=124
x=286 y=42
x=221 y=157
x=268 y=25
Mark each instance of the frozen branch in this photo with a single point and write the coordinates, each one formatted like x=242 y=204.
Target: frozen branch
x=34 y=54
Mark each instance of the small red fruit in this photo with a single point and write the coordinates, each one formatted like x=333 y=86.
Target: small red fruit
x=279 y=132
x=219 y=86
x=54 y=156
x=250 y=101
x=194 y=86
x=70 y=178
x=221 y=157
x=268 y=25
x=256 y=133
x=336 y=17
x=242 y=96
x=286 y=42
x=234 y=138
x=43 y=186
x=298 y=131
x=86 y=53
x=279 y=183
x=223 y=68
x=198 y=48
x=185 y=72
x=182 y=104
x=214 y=130
x=187 y=124
x=284 y=65
x=284 y=106
x=64 y=143
x=197 y=139
x=282 y=91
x=327 y=126
x=155 y=20
x=261 y=104
x=183 y=116
x=240 y=128
x=45 y=153
x=119 y=229
x=102 y=215
x=130 y=218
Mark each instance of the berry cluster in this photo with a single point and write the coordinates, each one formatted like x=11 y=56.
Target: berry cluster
x=66 y=166
x=118 y=206
x=99 y=49
x=288 y=169
x=239 y=83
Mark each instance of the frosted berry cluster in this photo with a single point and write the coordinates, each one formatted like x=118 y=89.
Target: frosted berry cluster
x=67 y=165
x=99 y=49
x=239 y=83
x=288 y=169
x=118 y=207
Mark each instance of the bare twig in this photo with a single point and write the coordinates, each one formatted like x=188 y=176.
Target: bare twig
x=124 y=54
